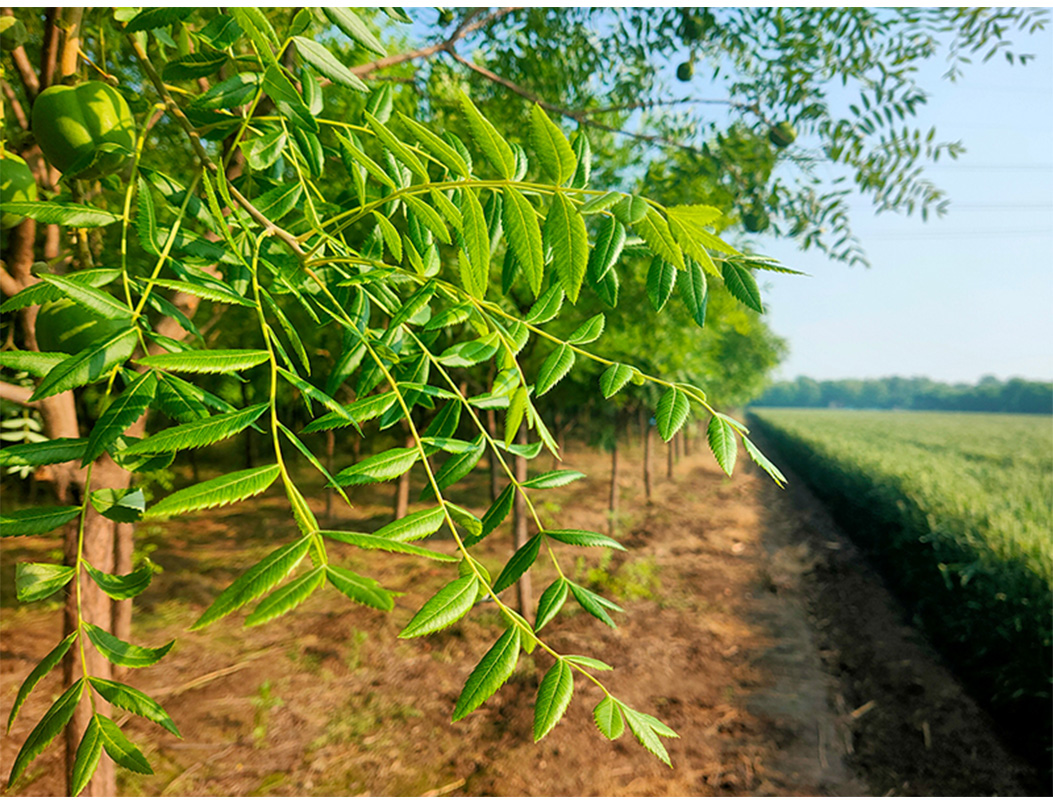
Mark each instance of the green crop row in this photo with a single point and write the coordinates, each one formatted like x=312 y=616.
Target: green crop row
x=955 y=509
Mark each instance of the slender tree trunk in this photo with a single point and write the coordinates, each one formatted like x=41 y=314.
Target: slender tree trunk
x=648 y=438
x=403 y=488
x=669 y=456
x=687 y=440
x=495 y=471
x=524 y=589
x=612 y=506
x=677 y=444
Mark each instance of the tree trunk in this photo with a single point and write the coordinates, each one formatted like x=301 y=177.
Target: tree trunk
x=648 y=438
x=669 y=456
x=524 y=590
x=687 y=440
x=495 y=471
x=612 y=506
x=403 y=488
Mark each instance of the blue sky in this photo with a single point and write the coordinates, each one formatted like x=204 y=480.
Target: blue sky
x=952 y=298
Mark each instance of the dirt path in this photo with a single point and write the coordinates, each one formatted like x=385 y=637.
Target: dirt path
x=751 y=627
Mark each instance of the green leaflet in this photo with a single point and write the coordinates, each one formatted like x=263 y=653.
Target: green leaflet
x=338 y=411
x=228 y=94
x=49 y=726
x=46 y=665
x=694 y=292
x=98 y=301
x=589 y=331
x=348 y=22
x=157 y=18
x=610 y=240
x=35 y=521
x=553 y=698
x=368 y=541
x=608 y=718
x=741 y=284
x=587 y=661
x=146 y=218
x=583 y=538
x=722 y=442
x=647 y=730
x=39 y=364
x=281 y=90
x=64 y=214
x=120 y=415
x=497 y=152
x=492 y=671
x=429 y=216
x=653 y=229
x=691 y=247
x=551 y=146
x=223 y=490
x=456 y=467
x=41 y=292
x=583 y=154
x=119 y=505
x=121 y=653
x=554 y=368
x=565 y=235
x=673 y=409
x=631 y=209
x=438 y=147
x=598 y=203
x=354 y=155
x=38 y=581
x=763 y=462
x=593 y=603
x=258 y=580
x=447 y=606
x=286 y=597
x=360 y=589
x=614 y=379
x=554 y=479
x=465 y=518
x=494 y=515
x=398 y=148
x=551 y=601
x=386 y=465
x=88 y=754
x=444 y=425
x=360 y=411
x=413 y=526
x=520 y=562
x=212 y=361
x=134 y=701
x=87 y=366
x=319 y=57
x=121 y=587
x=475 y=271
x=547 y=307
x=43 y=453
x=524 y=237
x=517 y=408
x=661 y=278
x=198 y=433
x=119 y=747
x=181 y=400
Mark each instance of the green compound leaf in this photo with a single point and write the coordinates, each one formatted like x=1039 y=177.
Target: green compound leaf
x=492 y=671
x=673 y=409
x=553 y=479
x=614 y=379
x=494 y=147
x=583 y=538
x=120 y=748
x=647 y=730
x=552 y=600
x=121 y=587
x=121 y=653
x=386 y=465
x=223 y=490
x=49 y=727
x=98 y=301
x=554 y=368
x=553 y=698
x=447 y=606
x=550 y=144
x=763 y=462
x=120 y=415
x=287 y=597
x=360 y=589
x=661 y=278
x=520 y=562
x=38 y=581
x=566 y=236
x=35 y=521
x=655 y=231
x=722 y=442
x=475 y=270
x=258 y=580
x=524 y=237
x=212 y=361
x=608 y=718
x=414 y=526
x=132 y=700
x=741 y=284
x=47 y=664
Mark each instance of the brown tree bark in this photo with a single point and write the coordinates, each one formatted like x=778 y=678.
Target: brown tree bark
x=648 y=440
x=402 y=488
x=669 y=459
x=524 y=588
x=612 y=505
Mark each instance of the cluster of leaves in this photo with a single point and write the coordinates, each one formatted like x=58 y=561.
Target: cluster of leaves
x=398 y=258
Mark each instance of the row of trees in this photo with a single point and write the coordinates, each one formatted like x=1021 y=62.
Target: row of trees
x=989 y=395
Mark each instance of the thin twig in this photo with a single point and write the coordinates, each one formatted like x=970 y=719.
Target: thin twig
x=16 y=107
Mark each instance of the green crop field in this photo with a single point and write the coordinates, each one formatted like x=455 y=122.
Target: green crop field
x=955 y=508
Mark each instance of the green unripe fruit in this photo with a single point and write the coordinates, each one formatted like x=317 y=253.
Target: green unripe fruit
x=685 y=71
x=65 y=326
x=87 y=128
x=16 y=184
x=782 y=134
x=12 y=33
x=755 y=219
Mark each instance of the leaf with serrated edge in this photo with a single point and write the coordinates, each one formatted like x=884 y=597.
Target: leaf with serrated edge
x=212 y=361
x=386 y=465
x=589 y=331
x=661 y=278
x=614 y=379
x=494 y=515
x=475 y=275
x=566 y=235
x=368 y=541
x=456 y=468
x=550 y=144
x=38 y=581
x=121 y=587
x=134 y=701
x=722 y=442
x=447 y=606
x=610 y=240
x=554 y=368
x=547 y=307
x=46 y=665
x=120 y=748
x=199 y=433
x=492 y=671
x=88 y=754
x=694 y=290
x=438 y=147
x=608 y=718
x=583 y=538
x=591 y=602
x=413 y=526
x=672 y=412
x=97 y=301
x=551 y=601
x=43 y=453
x=520 y=562
x=319 y=57
x=360 y=588
x=397 y=147
x=646 y=733
x=48 y=728
x=287 y=597
x=655 y=231
x=763 y=462
x=553 y=479
x=348 y=22
x=223 y=490
x=553 y=698
x=497 y=152
x=120 y=652
x=35 y=521
x=88 y=365
x=120 y=415
x=741 y=284
x=524 y=237
x=587 y=661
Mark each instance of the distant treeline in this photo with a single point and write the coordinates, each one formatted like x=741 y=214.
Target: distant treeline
x=990 y=395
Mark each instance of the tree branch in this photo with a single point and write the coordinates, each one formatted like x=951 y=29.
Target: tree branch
x=16 y=107
x=17 y=394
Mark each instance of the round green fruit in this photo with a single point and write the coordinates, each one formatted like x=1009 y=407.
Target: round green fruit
x=16 y=184
x=782 y=134
x=685 y=71
x=12 y=33
x=755 y=219
x=87 y=128
x=65 y=326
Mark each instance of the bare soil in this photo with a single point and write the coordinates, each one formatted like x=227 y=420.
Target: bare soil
x=751 y=626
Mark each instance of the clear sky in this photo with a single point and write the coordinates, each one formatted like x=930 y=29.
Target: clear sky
x=953 y=298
